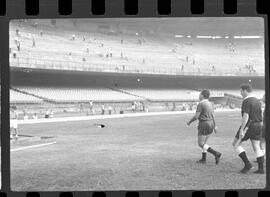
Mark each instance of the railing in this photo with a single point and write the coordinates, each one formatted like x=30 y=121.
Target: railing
x=116 y=68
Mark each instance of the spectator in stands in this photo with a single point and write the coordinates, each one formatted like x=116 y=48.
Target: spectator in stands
x=83 y=59
x=70 y=56
x=87 y=50
x=18 y=46
x=91 y=107
x=102 y=109
x=73 y=37
x=9 y=50
x=18 y=32
x=239 y=68
x=122 y=41
x=83 y=38
x=16 y=39
x=182 y=68
x=47 y=114
x=122 y=55
x=193 y=61
x=133 y=107
x=41 y=33
x=174 y=106
x=143 y=106
x=110 y=110
x=35 y=116
x=187 y=58
x=51 y=113
x=143 y=61
x=33 y=42
x=14 y=54
x=14 y=115
x=25 y=116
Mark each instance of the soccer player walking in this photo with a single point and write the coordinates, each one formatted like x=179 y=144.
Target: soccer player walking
x=207 y=125
x=251 y=128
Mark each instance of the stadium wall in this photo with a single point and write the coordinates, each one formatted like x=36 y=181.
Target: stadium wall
x=60 y=78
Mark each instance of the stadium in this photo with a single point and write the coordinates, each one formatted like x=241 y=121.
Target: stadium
x=103 y=103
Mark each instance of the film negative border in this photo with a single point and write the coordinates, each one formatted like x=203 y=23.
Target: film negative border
x=11 y=9
x=130 y=7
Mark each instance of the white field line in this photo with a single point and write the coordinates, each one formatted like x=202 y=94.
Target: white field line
x=33 y=146
x=100 y=117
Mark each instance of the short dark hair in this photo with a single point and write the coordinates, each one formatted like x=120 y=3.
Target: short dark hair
x=205 y=93
x=246 y=86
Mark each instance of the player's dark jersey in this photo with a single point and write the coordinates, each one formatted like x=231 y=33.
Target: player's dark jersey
x=252 y=107
x=206 y=110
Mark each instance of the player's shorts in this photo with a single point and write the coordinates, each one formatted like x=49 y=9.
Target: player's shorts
x=14 y=123
x=206 y=127
x=254 y=132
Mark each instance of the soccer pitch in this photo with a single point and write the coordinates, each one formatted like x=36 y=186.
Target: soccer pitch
x=131 y=153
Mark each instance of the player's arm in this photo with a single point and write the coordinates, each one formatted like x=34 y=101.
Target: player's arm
x=214 y=121
x=194 y=118
x=197 y=115
x=244 y=123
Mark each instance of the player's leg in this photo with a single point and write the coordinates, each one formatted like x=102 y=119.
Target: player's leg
x=262 y=141
x=263 y=145
x=241 y=151
x=201 y=142
x=259 y=155
x=207 y=129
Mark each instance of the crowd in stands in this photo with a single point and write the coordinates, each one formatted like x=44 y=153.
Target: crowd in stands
x=125 y=52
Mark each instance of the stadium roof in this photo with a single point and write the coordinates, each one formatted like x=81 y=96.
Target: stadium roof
x=247 y=26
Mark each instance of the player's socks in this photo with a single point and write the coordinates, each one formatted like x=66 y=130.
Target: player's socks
x=260 y=161
x=248 y=165
x=203 y=159
x=203 y=156
x=212 y=151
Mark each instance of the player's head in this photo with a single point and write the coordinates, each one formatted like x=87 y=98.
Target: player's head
x=205 y=94
x=245 y=89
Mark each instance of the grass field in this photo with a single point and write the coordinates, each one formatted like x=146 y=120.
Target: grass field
x=133 y=153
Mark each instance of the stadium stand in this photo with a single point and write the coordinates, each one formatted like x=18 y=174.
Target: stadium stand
x=138 y=53
x=164 y=94
x=77 y=94
x=256 y=93
x=19 y=97
x=126 y=64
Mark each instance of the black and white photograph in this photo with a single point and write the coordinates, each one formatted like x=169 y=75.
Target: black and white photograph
x=163 y=103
